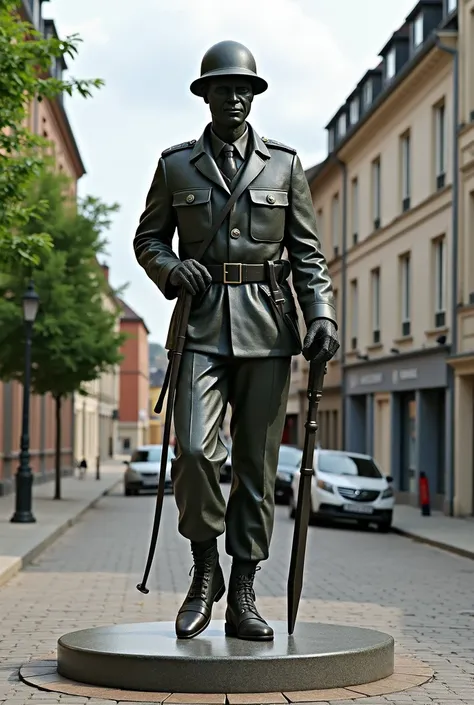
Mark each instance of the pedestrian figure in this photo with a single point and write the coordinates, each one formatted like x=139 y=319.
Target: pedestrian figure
x=82 y=468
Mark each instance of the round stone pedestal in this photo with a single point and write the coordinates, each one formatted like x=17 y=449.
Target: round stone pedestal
x=148 y=657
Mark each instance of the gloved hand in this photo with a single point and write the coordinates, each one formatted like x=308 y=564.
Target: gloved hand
x=192 y=275
x=321 y=342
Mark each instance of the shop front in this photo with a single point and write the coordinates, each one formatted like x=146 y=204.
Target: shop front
x=290 y=431
x=396 y=411
x=463 y=480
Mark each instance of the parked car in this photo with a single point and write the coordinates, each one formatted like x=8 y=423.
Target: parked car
x=143 y=470
x=348 y=486
x=289 y=463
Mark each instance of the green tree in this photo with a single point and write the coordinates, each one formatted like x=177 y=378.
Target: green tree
x=25 y=62
x=75 y=338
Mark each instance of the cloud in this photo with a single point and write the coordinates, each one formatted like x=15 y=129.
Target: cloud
x=148 y=65
x=92 y=31
x=312 y=52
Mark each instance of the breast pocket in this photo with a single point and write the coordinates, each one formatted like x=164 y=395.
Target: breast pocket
x=193 y=212
x=267 y=214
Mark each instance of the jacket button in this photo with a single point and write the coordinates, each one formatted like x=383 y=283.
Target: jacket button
x=190 y=198
x=270 y=198
x=235 y=233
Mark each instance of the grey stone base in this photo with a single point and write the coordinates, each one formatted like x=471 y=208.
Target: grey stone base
x=148 y=657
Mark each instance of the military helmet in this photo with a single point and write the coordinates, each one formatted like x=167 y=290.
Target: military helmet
x=228 y=59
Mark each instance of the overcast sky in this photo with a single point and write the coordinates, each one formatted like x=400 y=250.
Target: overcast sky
x=311 y=52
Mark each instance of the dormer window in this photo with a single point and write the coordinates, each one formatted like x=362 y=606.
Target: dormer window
x=368 y=94
x=342 y=125
x=417 y=31
x=331 y=139
x=390 y=64
x=354 y=111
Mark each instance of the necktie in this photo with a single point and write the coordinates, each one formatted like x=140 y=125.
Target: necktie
x=229 y=167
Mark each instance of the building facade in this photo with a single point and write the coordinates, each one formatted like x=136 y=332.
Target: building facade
x=133 y=428
x=462 y=360
x=47 y=118
x=157 y=421
x=96 y=413
x=109 y=390
x=394 y=201
x=293 y=431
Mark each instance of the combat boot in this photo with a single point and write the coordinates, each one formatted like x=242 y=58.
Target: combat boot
x=242 y=619
x=206 y=588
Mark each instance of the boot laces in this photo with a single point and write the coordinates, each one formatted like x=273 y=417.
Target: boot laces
x=201 y=572
x=245 y=592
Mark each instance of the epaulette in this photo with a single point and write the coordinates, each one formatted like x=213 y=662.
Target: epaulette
x=278 y=145
x=178 y=147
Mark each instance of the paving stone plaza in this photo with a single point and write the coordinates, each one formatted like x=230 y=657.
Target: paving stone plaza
x=419 y=594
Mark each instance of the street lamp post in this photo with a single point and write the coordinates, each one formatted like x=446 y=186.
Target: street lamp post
x=24 y=476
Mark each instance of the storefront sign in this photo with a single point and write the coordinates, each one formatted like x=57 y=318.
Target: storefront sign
x=404 y=374
x=429 y=372
x=371 y=379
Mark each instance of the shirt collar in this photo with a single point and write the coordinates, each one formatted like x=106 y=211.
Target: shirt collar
x=240 y=144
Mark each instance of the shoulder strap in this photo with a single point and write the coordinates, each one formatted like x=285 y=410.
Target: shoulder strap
x=278 y=145
x=236 y=193
x=178 y=148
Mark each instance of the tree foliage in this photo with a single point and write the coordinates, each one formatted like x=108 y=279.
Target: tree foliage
x=25 y=61
x=75 y=337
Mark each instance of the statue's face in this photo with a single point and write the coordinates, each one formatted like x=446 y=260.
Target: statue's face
x=229 y=100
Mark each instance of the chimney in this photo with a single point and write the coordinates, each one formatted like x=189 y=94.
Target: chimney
x=105 y=269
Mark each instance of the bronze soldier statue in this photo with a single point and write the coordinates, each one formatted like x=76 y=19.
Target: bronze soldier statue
x=242 y=328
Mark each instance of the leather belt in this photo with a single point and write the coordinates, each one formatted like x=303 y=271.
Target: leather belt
x=237 y=273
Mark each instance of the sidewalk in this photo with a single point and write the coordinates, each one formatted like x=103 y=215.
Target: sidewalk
x=21 y=543
x=449 y=533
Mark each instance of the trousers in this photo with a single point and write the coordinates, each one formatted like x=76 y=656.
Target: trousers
x=257 y=391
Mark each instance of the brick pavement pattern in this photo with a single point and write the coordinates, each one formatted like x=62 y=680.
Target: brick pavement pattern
x=420 y=595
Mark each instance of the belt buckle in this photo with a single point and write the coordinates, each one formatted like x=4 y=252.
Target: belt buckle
x=227 y=279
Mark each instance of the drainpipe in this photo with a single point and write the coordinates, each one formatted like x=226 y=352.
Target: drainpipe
x=454 y=267
x=343 y=322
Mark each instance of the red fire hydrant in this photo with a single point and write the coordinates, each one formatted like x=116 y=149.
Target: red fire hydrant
x=424 y=495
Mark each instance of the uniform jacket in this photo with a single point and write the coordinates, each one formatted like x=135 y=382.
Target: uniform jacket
x=274 y=213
